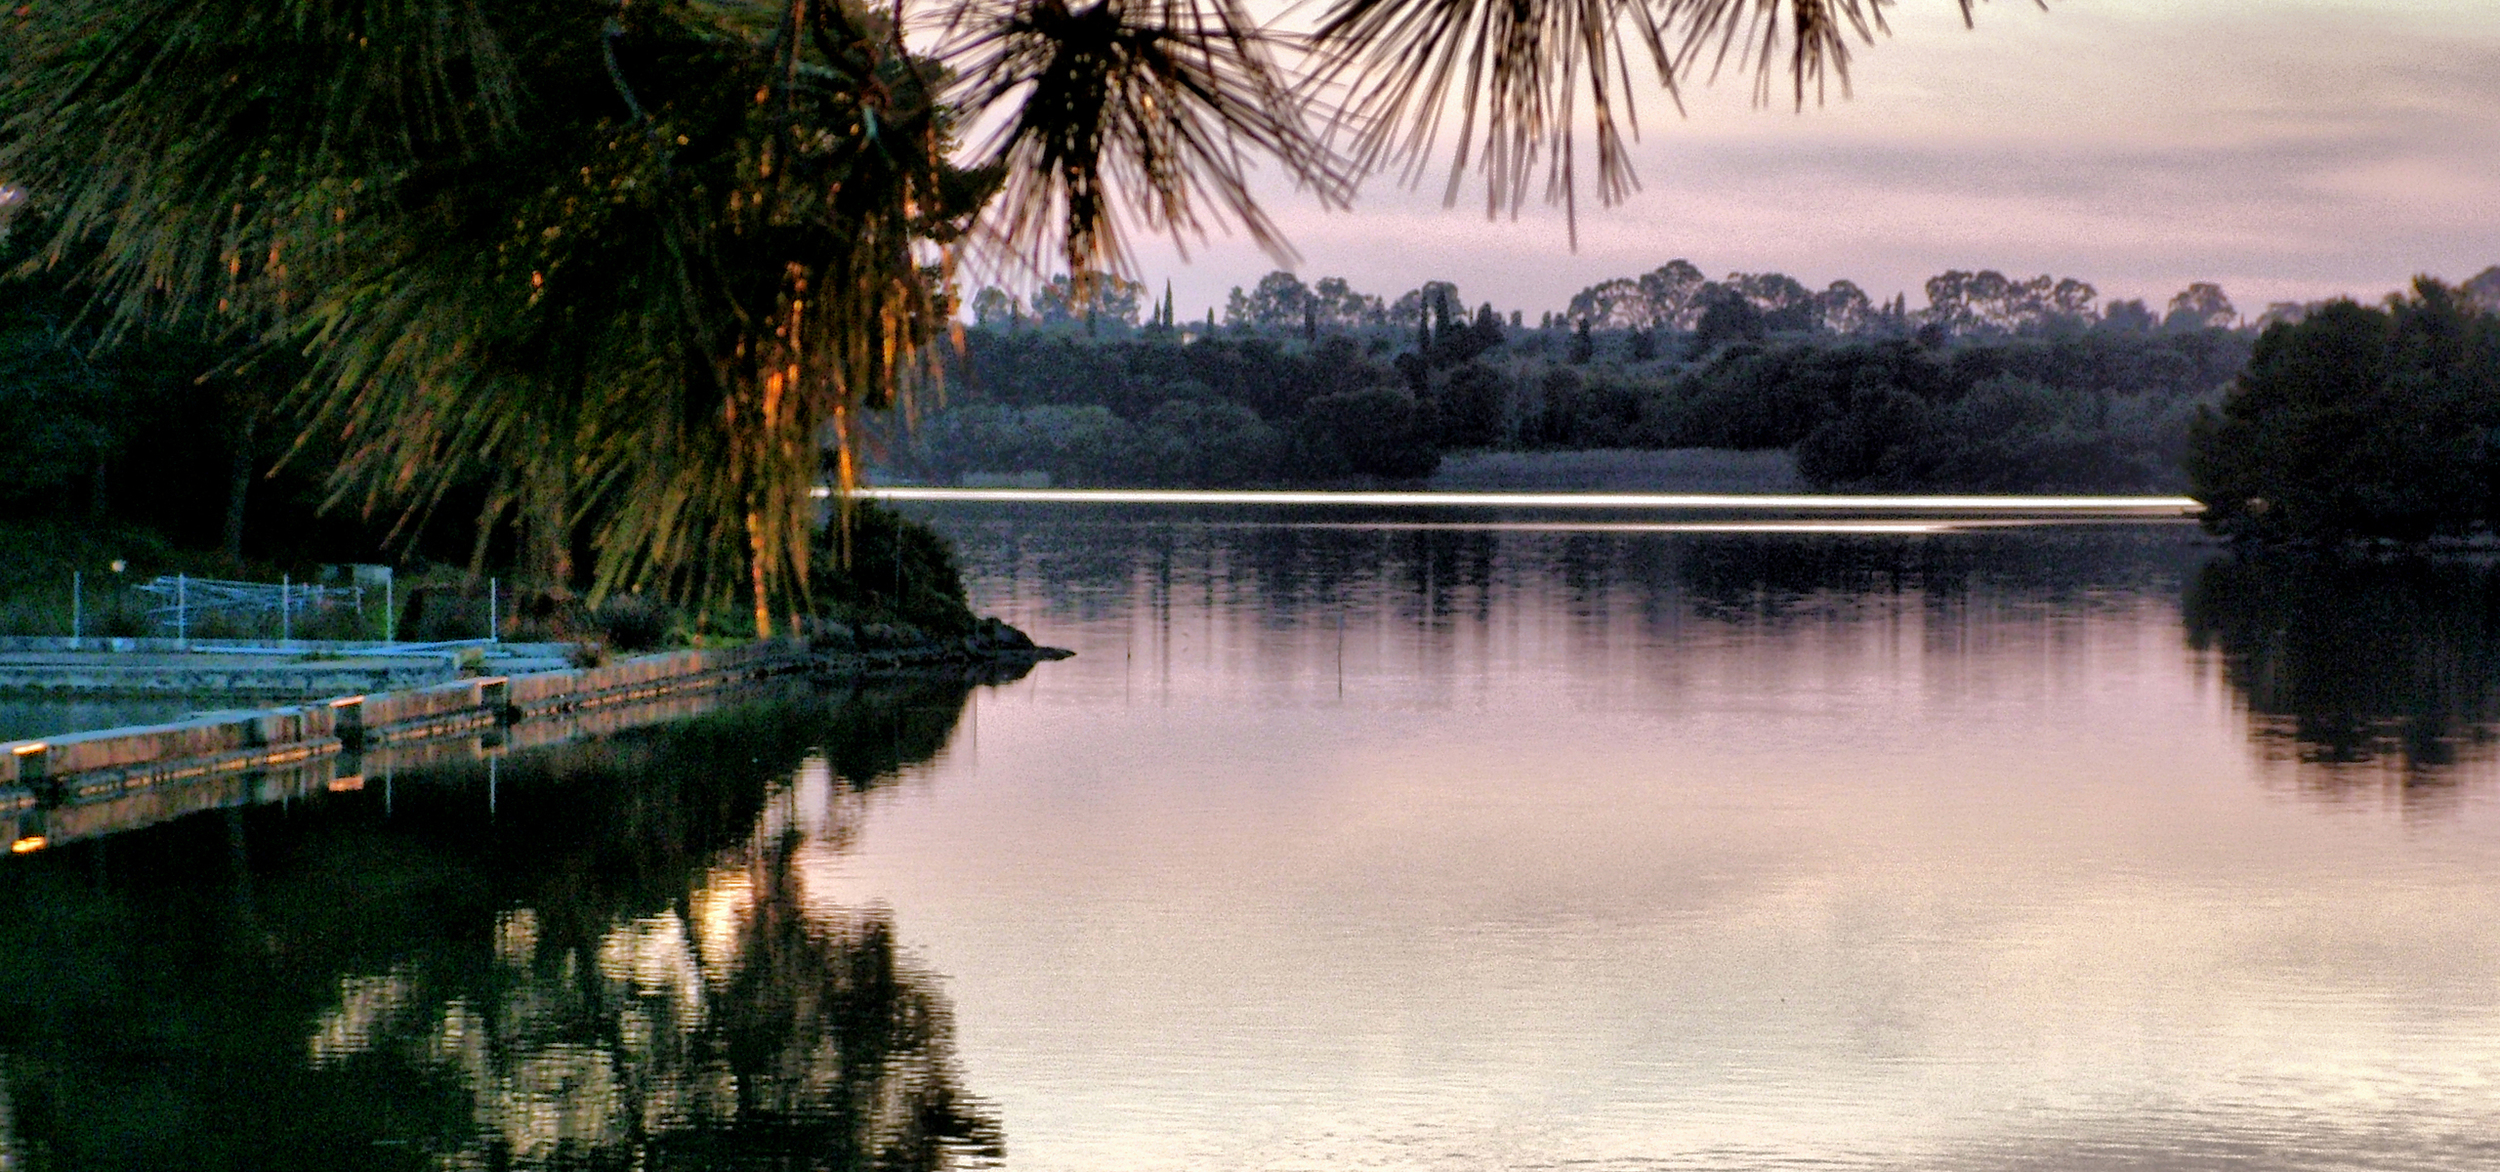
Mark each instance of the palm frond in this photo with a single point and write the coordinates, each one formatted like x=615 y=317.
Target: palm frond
x=199 y=150
x=1148 y=113
x=1515 y=72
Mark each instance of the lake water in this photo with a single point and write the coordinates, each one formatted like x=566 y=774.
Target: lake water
x=1381 y=840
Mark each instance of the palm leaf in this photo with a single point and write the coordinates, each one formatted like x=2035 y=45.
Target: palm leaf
x=1516 y=72
x=1149 y=113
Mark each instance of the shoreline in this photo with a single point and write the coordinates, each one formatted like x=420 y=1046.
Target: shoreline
x=45 y=781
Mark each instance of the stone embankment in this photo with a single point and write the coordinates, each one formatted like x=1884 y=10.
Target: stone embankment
x=46 y=782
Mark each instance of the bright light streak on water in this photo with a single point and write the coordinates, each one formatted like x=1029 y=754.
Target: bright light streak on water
x=1798 y=527
x=2064 y=506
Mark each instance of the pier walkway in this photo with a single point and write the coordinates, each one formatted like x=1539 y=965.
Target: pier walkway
x=60 y=788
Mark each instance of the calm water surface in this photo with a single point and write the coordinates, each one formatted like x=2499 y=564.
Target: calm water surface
x=1353 y=841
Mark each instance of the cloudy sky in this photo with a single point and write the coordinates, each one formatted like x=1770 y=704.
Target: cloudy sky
x=2288 y=149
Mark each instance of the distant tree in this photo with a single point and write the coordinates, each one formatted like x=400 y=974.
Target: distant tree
x=1415 y=305
x=1615 y=304
x=1105 y=299
x=1669 y=295
x=1729 y=317
x=1583 y=347
x=1783 y=304
x=1340 y=307
x=996 y=308
x=2483 y=289
x=2359 y=422
x=1843 y=308
x=2201 y=306
x=1279 y=301
x=2127 y=317
x=1989 y=302
x=1674 y=292
x=1486 y=329
x=2073 y=299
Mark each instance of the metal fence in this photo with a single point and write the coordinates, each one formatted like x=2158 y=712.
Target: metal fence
x=183 y=601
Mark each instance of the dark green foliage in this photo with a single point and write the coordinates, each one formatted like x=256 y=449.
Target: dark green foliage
x=59 y=412
x=2004 y=435
x=898 y=570
x=1727 y=319
x=2081 y=412
x=1187 y=442
x=1377 y=431
x=1872 y=442
x=632 y=622
x=1644 y=345
x=2078 y=411
x=1470 y=407
x=2359 y=423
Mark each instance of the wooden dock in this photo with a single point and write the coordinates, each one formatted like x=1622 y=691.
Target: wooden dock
x=60 y=788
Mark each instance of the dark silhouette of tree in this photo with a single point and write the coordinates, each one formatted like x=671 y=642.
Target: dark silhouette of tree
x=1470 y=406
x=1728 y=318
x=2128 y=316
x=1415 y=305
x=2358 y=422
x=1376 y=431
x=2201 y=306
x=2483 y=289
x=1279 y=300
x=1095 y=298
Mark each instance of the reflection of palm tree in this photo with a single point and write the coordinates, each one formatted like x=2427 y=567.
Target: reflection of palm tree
x=558 y=972
x=744 y=1027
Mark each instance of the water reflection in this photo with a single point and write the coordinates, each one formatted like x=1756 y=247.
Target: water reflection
x=2366 y=675
x=621 y=965
x=1097 y=564
x=2357 y=675
x=1478 y=849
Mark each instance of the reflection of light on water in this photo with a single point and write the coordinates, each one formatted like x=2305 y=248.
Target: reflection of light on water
x=653 y=957
x=722 y=908
x=712 y=1017
x=9 y=1161
x=365 y=1009
x=516 y=937
x=1788 y=527
x=2077 y=506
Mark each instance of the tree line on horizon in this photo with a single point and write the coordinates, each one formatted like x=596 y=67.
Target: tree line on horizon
x=2084 y=410
x=1672 y=298
x=1996 y=385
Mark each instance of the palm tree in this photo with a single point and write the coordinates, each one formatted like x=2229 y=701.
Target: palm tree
x=642 y=265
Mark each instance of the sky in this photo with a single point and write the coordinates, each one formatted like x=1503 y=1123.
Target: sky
x=2286 y=149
